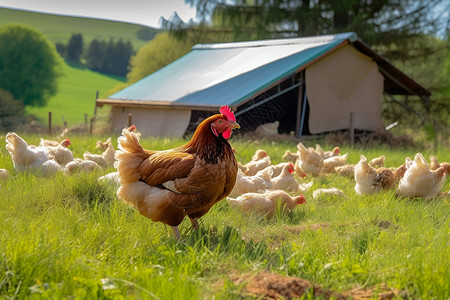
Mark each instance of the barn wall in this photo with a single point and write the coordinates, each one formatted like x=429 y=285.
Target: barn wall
x=152 y=121
x=342 y=83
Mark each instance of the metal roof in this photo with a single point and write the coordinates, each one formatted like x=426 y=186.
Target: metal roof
x=211 y=75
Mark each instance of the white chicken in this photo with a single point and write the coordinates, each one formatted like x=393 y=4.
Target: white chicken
x=112 y=177
x=331 y=192
x=420 y=181
x=334 y=161
x=327 y=154
x=299 y=169
x=103 y=145
x=79 y=165
x=261 y=181
x=24 y=157
x=310 y=160
x=60 y=153
x=366 y=178
x=259 y=154
x=377 y=162
x=252 y=167
x=289 y=156
x=286 y=181
x=108 y=155
x=266 y=203
x=276 y=169
x=346 y=170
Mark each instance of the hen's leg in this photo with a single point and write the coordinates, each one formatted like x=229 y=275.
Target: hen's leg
x=194 y=223
x=176 y=232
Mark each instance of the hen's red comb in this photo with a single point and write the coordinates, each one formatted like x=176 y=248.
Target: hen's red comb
x=227 y=112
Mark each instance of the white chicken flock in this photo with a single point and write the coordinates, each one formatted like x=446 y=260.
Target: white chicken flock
x=260 y=185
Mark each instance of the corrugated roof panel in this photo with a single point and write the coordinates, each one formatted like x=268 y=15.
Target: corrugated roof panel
x=234 y=90
x=202 y=75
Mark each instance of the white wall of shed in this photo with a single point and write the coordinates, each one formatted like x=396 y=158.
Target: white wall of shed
x=344 y=82
x=153 y=122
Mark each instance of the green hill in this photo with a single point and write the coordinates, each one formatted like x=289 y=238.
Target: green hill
x=60 y=28
x=76 y=96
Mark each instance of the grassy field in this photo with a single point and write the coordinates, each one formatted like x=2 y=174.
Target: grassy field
x=60 y=28
x=76 y=96
x=70 y=237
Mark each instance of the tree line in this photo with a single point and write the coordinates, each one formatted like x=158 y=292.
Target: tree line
x=111 y=57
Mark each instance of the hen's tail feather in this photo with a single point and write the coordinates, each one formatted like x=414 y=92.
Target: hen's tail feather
x=129 y=156
x=14 y=142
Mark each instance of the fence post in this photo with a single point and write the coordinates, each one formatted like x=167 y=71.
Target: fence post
x=49 y=122
x=86 y=121
x=352 y=131
x=91 y=129
x=130 y=116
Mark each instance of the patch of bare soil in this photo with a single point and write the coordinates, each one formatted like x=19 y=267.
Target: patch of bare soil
x=274 y=286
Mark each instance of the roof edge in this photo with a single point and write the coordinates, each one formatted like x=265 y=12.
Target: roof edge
x=351 y=36
x=154 y=104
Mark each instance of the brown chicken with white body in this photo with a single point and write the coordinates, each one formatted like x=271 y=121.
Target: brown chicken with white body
x=166 y=186
x=420 y=181
x=267 y=202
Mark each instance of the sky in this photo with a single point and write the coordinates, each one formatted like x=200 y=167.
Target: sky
x=145 y=12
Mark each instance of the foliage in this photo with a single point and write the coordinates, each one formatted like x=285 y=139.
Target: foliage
x=74 y=48
x=70 y=237
x=159 y=52
x=30 y=64
x=109 y=57
x=11 y=111
x=374 y=21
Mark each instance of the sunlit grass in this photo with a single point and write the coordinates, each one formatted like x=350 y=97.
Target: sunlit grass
x=70 y=237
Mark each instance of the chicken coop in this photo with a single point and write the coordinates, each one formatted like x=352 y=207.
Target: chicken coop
x=309 y=85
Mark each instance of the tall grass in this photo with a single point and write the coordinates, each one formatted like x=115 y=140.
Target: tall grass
x=70 y=237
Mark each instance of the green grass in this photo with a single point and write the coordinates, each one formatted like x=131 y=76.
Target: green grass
x=70 y=237
x=76 y=96
x=60 y=28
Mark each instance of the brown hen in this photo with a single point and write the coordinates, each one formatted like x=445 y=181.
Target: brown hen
x=166 y=186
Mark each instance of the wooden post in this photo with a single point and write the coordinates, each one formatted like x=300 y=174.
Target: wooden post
x=86 y=121
x=65 y=124
x=91 y=129
x=49 y=122
x=130 y=117
x=95 y=108
x=352 y=131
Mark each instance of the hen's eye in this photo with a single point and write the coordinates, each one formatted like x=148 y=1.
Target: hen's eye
x=220 y=122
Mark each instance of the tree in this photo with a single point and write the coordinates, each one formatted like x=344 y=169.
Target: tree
x=109 y=57
x=379 y=21
x=29 y=64
x=157 y=53
x=75 y=47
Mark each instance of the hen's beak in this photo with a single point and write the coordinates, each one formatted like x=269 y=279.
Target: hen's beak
x=234 y=125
